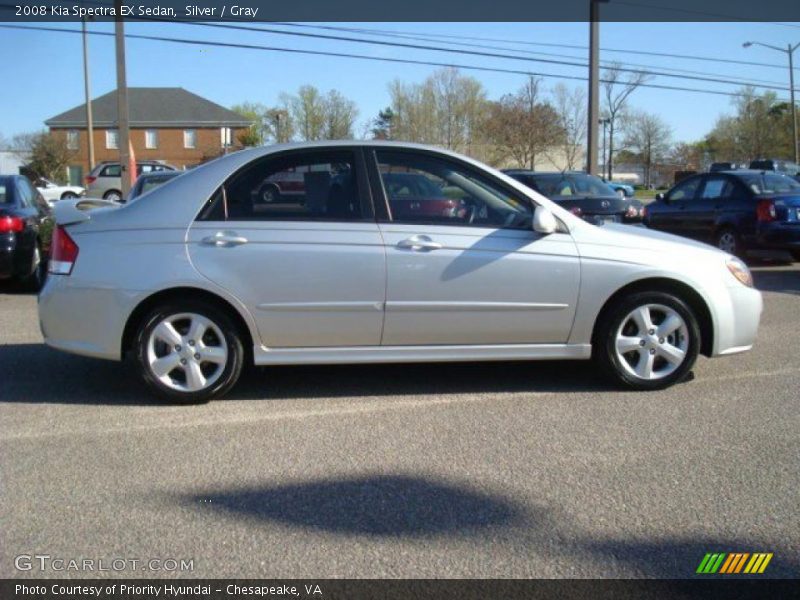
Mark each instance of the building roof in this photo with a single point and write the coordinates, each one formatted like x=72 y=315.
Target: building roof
x=153 y=107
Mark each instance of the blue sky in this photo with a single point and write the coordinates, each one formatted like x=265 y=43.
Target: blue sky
x=44 y=70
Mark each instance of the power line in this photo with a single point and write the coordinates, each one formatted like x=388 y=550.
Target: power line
x=741 y=80
x=433 y=37
x=472 y=53
x=360 y=57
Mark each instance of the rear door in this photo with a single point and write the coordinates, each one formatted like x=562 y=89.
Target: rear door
x=310 y=269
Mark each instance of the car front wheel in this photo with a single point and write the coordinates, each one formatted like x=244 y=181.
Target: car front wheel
x=189 y=352
x=648 y=341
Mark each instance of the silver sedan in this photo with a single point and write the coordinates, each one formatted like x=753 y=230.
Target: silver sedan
x=367 y=252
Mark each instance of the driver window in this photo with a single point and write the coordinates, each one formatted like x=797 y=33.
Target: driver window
x=424 y=189
x=685 y=190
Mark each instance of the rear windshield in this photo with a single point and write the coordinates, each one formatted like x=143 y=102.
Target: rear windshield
x=571 y=185
x=4 y=197
x=770 y=183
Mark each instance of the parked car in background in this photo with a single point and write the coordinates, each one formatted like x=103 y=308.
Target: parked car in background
x=584 y=195
x=105 y=180
x=148 y=181
x=344 y=277
x=623 y=189
x=738 y=211
x=785 y=167
x=52 y=191
x=25 y=232
x=724 y=166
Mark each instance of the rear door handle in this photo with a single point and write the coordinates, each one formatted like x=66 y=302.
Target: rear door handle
x=224 y=239
x=418 y=243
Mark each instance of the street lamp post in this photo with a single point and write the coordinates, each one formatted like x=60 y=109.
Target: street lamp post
x=604 y=123
x=789 y=50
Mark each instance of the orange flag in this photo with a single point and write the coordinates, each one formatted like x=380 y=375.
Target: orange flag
x=132 y=163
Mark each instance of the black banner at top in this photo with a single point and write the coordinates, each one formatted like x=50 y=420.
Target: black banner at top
x=403 y=11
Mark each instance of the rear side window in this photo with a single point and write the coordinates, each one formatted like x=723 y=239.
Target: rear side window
x=4 y=196
x=111 y=171
x=295 y=187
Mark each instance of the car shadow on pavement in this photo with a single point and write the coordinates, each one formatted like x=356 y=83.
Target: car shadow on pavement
x=404 y=505
x=786 y=281
x=377 y=505
x=35 y=373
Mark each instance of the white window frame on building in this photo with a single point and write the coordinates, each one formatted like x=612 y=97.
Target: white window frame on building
x=73 y=137
x=190 y=138
x=151 y=139
x=225 y=135
x=112 y=139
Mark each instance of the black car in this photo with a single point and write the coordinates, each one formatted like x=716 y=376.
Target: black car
x=738 y=211
x=148 y=181
x=25 y=230
x=584 y=195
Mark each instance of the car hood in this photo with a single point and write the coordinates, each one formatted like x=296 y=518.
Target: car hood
x=643 y=245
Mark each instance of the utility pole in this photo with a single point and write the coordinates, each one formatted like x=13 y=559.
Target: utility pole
x=122 y=103
x=604 y=123
x=790 y=51
x=594 y=86
x=88 y=94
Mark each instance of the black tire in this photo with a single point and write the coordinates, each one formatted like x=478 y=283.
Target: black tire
x=68 y=196
x=35 y=281
x=604 y=351
x=796 y=255
x=231 y=370
x=727 y=240
x=113 y=195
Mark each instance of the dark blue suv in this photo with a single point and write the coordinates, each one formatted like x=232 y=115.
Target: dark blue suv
x=738 y=211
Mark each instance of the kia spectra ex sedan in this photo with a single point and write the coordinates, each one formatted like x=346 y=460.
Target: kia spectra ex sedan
x=386 y=253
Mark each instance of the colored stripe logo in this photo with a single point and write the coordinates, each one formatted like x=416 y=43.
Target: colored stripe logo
x=734 y=563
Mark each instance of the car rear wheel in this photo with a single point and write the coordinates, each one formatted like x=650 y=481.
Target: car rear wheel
x=113 y=195
x=35 y=280
x=648 y=341
x=189 y=352
x=727 y=241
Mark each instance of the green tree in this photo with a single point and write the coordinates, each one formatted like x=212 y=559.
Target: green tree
x=383 y=124
x=47 y=154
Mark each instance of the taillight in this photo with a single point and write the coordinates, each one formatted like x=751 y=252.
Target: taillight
x=765 y=210
x=575 y=210
x=90 y=179
x=63 y=252
x=11 y=224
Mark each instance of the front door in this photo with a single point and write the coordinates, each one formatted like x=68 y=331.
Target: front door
x=308 y=262
x=464 y=266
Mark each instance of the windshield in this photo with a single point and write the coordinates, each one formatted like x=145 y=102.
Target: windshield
x=770 y=183
x=563 y=185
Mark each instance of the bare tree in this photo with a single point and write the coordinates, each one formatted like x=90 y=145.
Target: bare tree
x=648 y=138
x=446 y=110
x=523 y=125
x=617 y=88
x=570 y=108
x=308 y=113
x=340 y=116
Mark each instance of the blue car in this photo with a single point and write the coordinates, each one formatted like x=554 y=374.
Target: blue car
x=622 y=189
x=741 y=212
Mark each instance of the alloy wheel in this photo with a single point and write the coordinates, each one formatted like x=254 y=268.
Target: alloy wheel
x=187 y=352
x=652 y=341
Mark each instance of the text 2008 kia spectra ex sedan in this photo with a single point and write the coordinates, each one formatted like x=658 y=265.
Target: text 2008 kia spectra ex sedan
x=377 y=252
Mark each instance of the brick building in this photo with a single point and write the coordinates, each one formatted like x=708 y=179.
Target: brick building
x=167 y=124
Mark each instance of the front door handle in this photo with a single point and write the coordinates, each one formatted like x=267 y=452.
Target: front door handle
x=224 y=239
x=418 y=243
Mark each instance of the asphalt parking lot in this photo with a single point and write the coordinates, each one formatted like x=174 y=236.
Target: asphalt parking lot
x=462 y=470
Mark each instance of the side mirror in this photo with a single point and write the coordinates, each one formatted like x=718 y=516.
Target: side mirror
x=660 y=197
x=544 y=221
